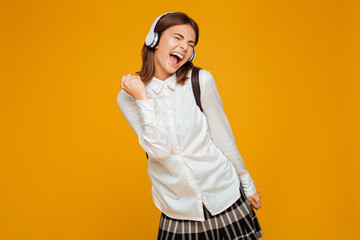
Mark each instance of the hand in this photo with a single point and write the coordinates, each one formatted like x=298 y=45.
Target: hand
x=255 y=200
x=134 y=86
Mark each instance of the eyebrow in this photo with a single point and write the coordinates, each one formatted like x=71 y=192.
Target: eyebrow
x=183 y=37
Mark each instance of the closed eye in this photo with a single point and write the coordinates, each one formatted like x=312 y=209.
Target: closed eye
x=178 y=36
x=189 y=44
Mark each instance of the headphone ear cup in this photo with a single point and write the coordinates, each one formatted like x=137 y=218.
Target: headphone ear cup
x=155 y=41
x=151 y=39
x=193 y=56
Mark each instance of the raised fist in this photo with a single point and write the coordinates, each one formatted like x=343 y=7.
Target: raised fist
x=133 y=85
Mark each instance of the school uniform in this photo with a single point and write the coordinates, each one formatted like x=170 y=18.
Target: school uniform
x=199 y=180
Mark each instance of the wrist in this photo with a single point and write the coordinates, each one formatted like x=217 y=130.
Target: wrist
x=141 y=97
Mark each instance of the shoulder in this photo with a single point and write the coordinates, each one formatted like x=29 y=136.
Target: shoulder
x=204 y=75
x=210 y=97
x=206 y=79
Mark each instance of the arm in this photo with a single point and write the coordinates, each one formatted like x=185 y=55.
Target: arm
x=220 y=129
x=140 y=114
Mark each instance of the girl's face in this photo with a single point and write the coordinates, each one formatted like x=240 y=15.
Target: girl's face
x=174 y=50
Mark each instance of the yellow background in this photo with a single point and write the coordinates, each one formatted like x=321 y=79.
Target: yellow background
x=287 y=72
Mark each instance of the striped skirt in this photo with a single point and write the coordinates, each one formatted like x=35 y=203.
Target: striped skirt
x=239 y=221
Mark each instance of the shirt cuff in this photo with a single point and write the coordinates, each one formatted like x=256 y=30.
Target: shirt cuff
x=146 y=108
x=247 y=184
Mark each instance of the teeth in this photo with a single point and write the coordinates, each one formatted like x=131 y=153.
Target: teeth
x=177 y=54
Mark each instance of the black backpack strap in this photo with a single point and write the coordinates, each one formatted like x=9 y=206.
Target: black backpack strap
x=196 y=89
x=196 y=85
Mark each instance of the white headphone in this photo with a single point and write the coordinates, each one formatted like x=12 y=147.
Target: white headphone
x=152 y=38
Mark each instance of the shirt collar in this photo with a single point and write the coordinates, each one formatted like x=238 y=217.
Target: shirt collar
x=157 y=84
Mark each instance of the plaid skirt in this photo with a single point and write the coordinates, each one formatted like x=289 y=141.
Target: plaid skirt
x=239 y=221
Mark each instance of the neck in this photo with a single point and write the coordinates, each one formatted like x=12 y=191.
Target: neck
x=160 y=72
x=162 y=76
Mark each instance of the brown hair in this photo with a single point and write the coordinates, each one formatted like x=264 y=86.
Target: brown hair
x=148 y=66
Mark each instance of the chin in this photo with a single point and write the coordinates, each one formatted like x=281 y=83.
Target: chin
x=171 y=69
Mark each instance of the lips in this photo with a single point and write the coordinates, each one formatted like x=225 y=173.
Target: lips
x=176 y=58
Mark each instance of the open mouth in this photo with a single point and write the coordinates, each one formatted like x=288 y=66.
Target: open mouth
x=175 y=59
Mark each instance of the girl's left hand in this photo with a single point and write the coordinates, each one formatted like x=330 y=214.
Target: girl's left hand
x=255 y=200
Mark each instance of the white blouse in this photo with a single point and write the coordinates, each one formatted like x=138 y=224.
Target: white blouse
x=193 y=157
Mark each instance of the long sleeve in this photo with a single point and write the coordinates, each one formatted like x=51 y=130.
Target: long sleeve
x=140 y=114
x=220 y=129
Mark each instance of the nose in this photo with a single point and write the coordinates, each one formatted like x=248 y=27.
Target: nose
x=184 y=45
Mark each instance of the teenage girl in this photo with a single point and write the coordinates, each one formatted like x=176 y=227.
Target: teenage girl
x=199 y=180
